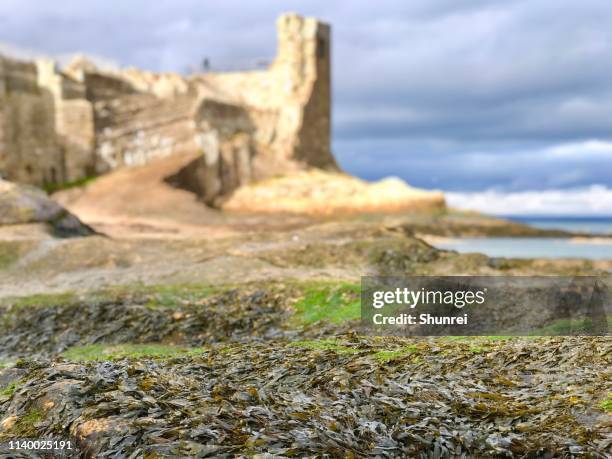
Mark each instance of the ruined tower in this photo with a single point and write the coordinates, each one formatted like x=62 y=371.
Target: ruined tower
x=303 y=67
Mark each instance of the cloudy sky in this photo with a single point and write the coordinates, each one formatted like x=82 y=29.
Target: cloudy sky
x=506 y=105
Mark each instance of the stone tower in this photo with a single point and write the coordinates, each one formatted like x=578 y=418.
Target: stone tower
x=303 y=66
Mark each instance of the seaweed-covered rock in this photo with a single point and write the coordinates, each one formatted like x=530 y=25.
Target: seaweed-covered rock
x=228 y=316
x=21 y=204
x=432 y=398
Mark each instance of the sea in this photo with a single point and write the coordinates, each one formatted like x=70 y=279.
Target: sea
x=596 y=248
x=590 y=225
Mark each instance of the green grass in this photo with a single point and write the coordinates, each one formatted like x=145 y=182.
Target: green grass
x=334 y=303
x=387 y=356
x=152 y=295
x=122 y=351
x=26 y=425
x=606 y=405
x=173 y=295
x=41 y=300
x=53 y=187
x=9 y=390
x=569 y=327
x=478 y=349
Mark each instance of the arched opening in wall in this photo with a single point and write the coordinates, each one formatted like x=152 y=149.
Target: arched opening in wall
x=53 y=173
x=190 y=177
x=29 y=170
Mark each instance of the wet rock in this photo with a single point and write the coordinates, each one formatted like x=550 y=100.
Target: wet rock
x=20 y=204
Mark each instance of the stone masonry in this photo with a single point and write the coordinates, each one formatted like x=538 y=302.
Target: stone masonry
x=59 y=126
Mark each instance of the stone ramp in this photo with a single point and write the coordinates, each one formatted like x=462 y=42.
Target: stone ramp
x=140 y=196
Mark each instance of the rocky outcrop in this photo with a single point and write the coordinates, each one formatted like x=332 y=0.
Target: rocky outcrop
x=22 y=204
x=328 y=193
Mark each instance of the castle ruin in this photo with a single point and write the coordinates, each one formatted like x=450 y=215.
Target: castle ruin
x=61 y=126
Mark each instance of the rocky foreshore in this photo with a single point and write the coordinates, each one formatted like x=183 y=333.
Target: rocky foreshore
x=331 y=193
x=355 y=397
x=244 y=341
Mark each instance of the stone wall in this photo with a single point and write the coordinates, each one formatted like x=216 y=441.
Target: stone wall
x=290 y=103
x=288 y=106
x=136 y=129
x=29 y=148
x=225 y=138
x=58 y=126
x=75 y=128
x=73 y=120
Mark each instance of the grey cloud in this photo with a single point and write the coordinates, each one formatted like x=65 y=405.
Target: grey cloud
x=449 y=167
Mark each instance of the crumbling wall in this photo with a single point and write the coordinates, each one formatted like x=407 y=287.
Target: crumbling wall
x=164 y=85
x=247 y=125
x=66 y=125
x=100 y=86
x=290 y=103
